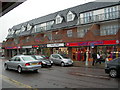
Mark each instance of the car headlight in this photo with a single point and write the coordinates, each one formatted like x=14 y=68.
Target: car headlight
x=51 y=61
x=43 y=62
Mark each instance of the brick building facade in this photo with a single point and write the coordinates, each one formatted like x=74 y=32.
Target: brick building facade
x=93 y=26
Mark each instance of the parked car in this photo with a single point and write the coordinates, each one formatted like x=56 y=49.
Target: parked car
x=113 y=67
x=44 y=61
x=61 y=59
x=22 y=63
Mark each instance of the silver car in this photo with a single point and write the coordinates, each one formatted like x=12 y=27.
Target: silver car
x=22 y=63
x=61 y=59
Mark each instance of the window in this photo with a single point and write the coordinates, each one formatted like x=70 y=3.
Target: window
x=27 y=39
x=34 y=29
x=28 y=58
x=10 y=31
x=17 y=32
x=59 y=19
x=109 y=30
x=49 y=25
x=55 y=56
x=69 y=33
x=111 y=12
x=70 y=16
x=43 y=27
x=23 y=28
x=17 y=59
x=29 y=27
x=81 y=32
x=16 y=40
x=88 y=17
x=38 y=28
x=49 y=36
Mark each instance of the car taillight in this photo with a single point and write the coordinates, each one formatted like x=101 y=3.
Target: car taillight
x=27 y=64
x=39 y=63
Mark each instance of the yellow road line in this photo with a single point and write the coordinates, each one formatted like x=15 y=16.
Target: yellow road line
x=19 y=84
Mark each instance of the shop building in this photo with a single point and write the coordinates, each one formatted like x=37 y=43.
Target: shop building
x=91 y=27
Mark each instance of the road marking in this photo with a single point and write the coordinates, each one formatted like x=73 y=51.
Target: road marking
x=88 y=75
x=16 y=83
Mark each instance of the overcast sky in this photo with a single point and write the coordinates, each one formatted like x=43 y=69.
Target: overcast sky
x=33 y=9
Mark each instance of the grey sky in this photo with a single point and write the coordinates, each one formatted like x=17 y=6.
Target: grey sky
x=33 y=9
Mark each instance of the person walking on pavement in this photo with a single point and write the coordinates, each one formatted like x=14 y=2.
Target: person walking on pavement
x=94 y=55
x=98 y=58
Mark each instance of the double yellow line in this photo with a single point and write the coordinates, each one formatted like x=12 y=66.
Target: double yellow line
x=16 y=83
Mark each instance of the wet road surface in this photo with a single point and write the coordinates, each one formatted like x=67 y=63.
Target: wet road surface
x=59 y=77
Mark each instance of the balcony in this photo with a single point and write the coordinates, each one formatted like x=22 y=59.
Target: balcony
x=99 y=18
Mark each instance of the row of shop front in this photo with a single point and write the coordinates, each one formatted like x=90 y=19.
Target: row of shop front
x=75 y=50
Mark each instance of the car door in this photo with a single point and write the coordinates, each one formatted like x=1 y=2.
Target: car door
x=11 y=63
x=119 y=65
x=16 y=62
x=52 y=57
x=59 y=59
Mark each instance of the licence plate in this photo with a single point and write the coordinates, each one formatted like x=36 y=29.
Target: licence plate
x=34 y=63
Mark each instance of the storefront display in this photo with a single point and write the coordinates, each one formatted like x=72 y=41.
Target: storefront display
x=106 y=48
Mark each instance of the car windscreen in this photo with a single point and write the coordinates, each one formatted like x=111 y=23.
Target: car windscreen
x=64 y=56
x=28 y=58
x=40 y=57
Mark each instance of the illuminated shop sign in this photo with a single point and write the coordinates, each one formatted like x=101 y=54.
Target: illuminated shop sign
x=12 y=47
x=92 y=43
x=27 y=47
x=41 y=45
x=35 y=46
x=56 y=45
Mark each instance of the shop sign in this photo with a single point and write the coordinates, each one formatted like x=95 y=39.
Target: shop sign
x=12 y=47
x=91 y=43
x=42 y=45
x=27 y=47
x=35 y=46
x=55 y=45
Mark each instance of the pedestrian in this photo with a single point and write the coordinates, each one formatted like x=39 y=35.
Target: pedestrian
x=85 y=56
x=98 y=58
x=94 y=56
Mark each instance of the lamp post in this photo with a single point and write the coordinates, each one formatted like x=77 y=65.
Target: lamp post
x=87 y=54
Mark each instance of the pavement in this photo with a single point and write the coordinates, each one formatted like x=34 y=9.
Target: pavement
x=89 y=65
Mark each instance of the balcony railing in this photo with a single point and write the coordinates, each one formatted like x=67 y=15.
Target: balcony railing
x=99 y=17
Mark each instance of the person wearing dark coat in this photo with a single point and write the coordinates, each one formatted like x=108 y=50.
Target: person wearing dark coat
x=94 y=55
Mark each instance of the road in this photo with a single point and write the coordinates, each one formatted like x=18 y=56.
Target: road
x=58 y=77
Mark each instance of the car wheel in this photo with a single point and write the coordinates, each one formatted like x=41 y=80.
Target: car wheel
x=19 y=69
x=113 y=73
x=62 y=64
x=6 y=67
